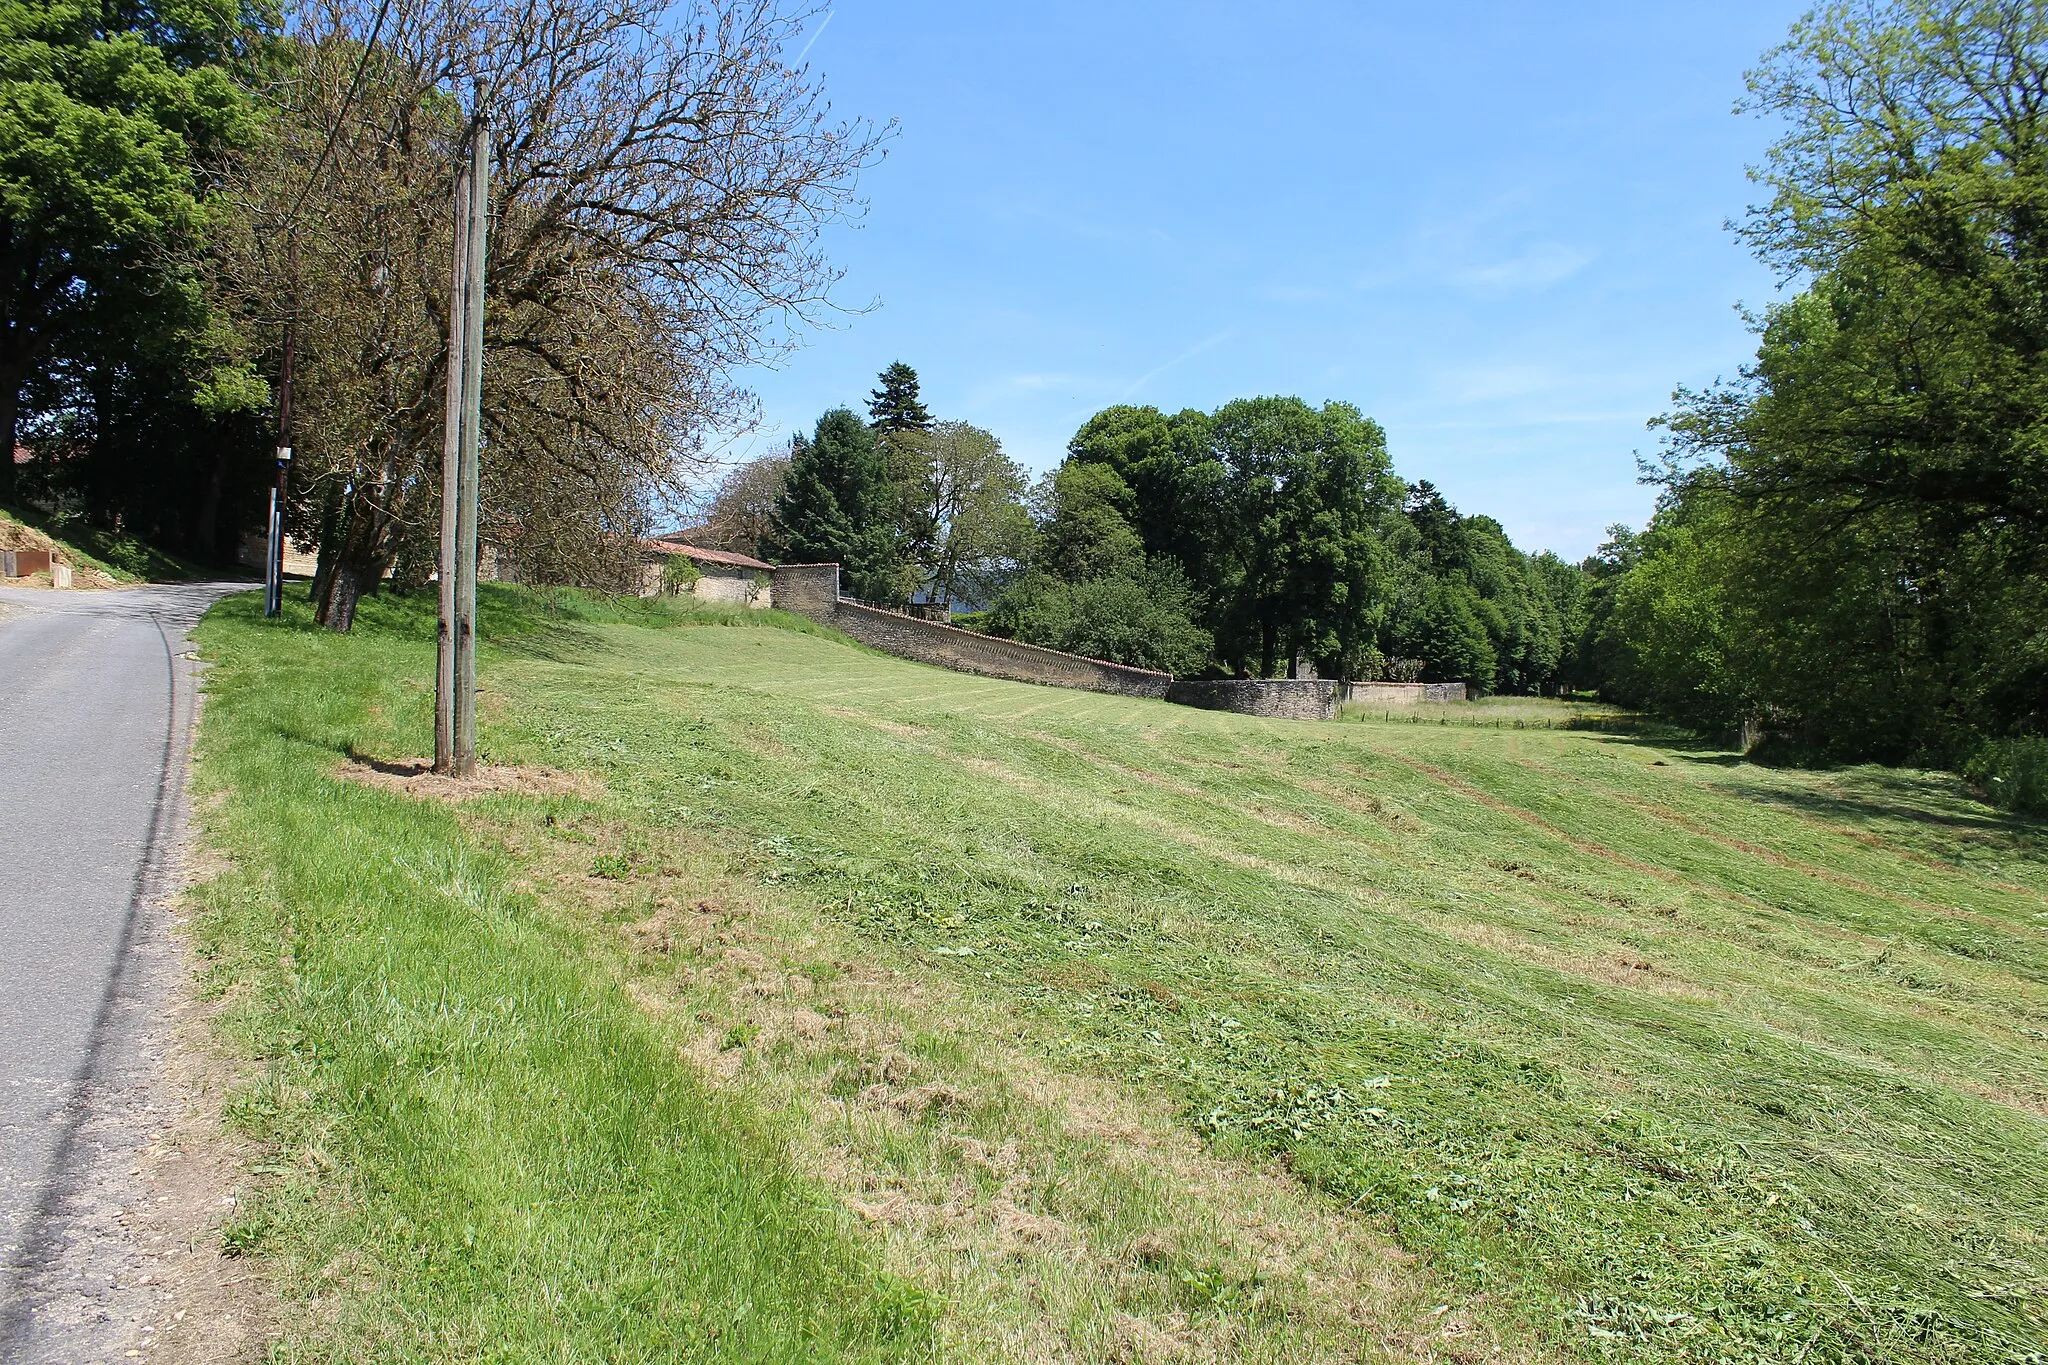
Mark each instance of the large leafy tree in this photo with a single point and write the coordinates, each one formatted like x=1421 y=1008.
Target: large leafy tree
x=662 y=175
x=107 y=111
x=1175 y=478
x=969 y=525
x=1308 y=493
x=1885 y=459
x=1086 y=530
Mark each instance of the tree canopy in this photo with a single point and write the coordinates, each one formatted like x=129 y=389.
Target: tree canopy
x=1853 y=536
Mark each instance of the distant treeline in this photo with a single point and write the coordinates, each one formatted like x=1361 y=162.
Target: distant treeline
x=1253 y=540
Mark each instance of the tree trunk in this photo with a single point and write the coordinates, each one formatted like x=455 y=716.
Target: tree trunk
x=344 y=589
x=329 y=546
x=10 y=409
x=359 y=564
x=205 y=544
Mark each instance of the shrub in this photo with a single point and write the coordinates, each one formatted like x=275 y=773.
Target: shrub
x=680 y=574
x=2013 y=773
x=1145 y=620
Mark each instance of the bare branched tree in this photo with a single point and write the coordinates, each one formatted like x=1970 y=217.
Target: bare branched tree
x=661 y=179
x=738 y=512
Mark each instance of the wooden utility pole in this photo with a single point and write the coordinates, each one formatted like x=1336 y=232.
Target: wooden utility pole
x=273 y=559
x=455 y=679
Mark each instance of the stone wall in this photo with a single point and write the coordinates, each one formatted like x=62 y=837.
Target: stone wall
x=1403 y=694
x=813 y=590
x=808 y=590
x=734 y=587
x=928 y=642
x=1286 y=698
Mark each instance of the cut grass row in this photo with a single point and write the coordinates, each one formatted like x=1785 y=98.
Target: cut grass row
x=1652 y=1055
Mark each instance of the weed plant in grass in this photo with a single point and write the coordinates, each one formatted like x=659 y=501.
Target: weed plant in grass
x=479 y=1149
x=1659 y=1055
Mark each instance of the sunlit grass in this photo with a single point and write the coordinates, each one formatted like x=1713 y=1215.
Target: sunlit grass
x=476 y=1148
x=1654 y=1054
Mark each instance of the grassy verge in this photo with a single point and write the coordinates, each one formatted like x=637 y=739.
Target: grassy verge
x=479 y=1148
x=1128 y=1030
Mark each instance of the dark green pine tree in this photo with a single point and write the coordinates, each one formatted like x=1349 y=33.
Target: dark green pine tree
x=896 y=406
x=835 y=507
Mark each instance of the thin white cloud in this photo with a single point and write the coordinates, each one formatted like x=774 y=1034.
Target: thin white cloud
x=1537 y=267
x=1206 y=344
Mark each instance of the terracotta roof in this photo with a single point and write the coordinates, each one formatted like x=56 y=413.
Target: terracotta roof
x=696 y=552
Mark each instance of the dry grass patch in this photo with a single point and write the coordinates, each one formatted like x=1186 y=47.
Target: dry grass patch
x=416 y=777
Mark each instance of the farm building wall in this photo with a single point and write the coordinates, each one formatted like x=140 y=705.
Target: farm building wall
x=1285 y=698
x=715 y=583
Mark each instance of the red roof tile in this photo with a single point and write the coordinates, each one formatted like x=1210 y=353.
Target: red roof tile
x=704 y=556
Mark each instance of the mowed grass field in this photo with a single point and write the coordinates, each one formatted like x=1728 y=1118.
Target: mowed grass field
x=1054 y=1025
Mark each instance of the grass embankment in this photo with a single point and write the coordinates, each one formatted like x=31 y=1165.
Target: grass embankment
x=99 y=557
x=510 y=1163
x=1127 y=1029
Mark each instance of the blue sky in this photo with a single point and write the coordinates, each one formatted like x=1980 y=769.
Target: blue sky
x=1496 y=228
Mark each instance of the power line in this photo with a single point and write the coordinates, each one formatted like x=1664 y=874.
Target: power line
x=355 y=85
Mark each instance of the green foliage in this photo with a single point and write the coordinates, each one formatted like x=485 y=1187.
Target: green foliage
x=1853 y=544
x=966 y=528
x=895 y=406
x=1087 y=531
x=1447 y=635
x=1309 y=493
x=680 y=574
x=838 y=506
x=2012 y=773
x=1175 y=476
x=1141 y=617
x=107 y=113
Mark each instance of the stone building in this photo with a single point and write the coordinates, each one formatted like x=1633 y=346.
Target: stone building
x=720 y=575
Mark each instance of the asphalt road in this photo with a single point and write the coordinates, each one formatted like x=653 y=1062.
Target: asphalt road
x=96 y=703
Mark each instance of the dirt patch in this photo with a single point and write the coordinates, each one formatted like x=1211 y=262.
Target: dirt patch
x=416 y=777
x=210 y=1308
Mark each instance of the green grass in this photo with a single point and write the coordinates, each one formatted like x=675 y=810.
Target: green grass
x=1651 y=1054
x=1514 y=713
x=476 y=1148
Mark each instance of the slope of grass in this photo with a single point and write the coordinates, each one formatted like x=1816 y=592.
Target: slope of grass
x=1646 y=1053
x=479 y=1149
x=120 y=557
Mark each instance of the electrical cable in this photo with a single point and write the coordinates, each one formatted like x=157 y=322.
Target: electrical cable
x=355 y=86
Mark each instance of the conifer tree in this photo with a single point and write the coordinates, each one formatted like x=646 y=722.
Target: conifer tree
x=835 y=507
x=896 y=405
